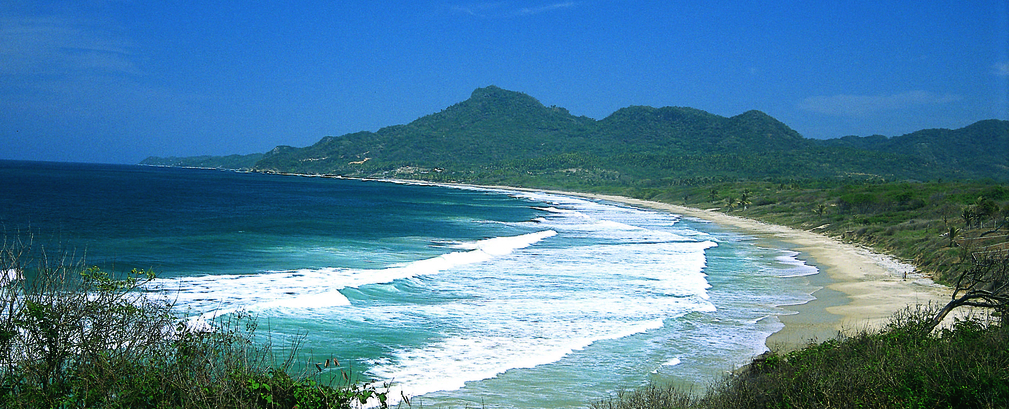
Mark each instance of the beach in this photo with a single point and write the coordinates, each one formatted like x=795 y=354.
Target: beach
x=521 y=297
x=859 y=288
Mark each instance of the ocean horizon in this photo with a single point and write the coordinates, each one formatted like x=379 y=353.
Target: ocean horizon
x=457 y=295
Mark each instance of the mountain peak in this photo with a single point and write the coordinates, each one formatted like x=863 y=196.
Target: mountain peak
x=495 y=95
x=490 y=91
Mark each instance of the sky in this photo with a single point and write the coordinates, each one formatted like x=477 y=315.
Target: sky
x=115 y=81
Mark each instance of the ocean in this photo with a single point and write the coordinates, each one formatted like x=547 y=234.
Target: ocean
x=458 y=296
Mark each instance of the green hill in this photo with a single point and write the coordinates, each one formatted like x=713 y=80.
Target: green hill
x=501 y=136
x=977 y=150
x=211 y=162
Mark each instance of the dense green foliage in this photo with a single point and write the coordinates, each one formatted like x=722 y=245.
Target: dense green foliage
x=973 y=151
x=73 y=336
x=960 y=367
x=502 y=136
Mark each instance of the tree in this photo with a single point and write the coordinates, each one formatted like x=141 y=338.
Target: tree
x=967 y=214
x=1005 y=216
x=731 y=202
x=984 y=284
x=953 y=232
x=947 y=210
x=985 y=208
x=744 y=200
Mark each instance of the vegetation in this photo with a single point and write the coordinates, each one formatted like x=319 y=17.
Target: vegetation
x=501 y=136
x=897 y=367
x=907 y=364
x=931 y=197
x=934 y=225
x=74 y=336
x=236 y=162
x=936 y=198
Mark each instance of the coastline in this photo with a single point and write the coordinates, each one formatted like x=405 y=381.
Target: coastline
x=859 y=288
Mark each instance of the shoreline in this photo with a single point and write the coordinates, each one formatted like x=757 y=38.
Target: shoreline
x=858 y=288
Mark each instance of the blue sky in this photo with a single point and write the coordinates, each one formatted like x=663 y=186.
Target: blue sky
x=116 y=81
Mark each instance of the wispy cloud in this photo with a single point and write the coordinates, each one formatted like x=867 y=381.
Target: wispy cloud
x=526 y=11
x=66 y=69
x=866 y=105
x=507 y=9
x=61 y=45
x=1001 y=69
x=477 y=9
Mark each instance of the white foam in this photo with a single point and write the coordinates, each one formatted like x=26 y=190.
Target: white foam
x=615 y=272
x=320 y=288
x=798 y=267
x=632 y=272
x=462 y=359
x=538 y=309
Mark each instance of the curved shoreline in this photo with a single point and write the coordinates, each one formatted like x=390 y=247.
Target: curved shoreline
x=859 y=288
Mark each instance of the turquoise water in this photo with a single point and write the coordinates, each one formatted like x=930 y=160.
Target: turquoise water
x=458 y=296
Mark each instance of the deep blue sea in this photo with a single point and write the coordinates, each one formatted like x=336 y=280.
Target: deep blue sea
x=459 y=296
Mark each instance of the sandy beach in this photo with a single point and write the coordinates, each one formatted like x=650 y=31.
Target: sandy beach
x=858 y=287
x=861 y=288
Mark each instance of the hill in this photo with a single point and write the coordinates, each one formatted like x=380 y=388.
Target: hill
x=501 y=136
x=980 y=149
x=236 y=162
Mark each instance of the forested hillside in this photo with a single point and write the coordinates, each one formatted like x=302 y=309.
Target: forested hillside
x=234 y=162
x=501 y=136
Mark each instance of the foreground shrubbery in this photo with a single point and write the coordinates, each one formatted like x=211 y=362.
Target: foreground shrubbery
x=965 y=366
x=72 y=336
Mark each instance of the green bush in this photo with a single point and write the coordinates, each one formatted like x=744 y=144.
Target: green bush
x=965 y=366
x=73 y=336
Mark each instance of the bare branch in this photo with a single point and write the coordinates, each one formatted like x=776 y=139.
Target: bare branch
x=985 y=284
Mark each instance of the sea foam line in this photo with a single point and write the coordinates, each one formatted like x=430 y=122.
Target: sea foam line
x=320 y=288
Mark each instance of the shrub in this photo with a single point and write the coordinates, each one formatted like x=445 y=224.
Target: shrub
x=76 y=336
x=897 y=367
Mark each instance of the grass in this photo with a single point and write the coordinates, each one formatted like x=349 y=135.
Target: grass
x=908 y=220
x=965 y=366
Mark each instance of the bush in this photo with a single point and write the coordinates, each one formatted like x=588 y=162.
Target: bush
x=898 y=367
x=76 y=336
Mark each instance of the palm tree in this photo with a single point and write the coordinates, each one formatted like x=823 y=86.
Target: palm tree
x=985 y=209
